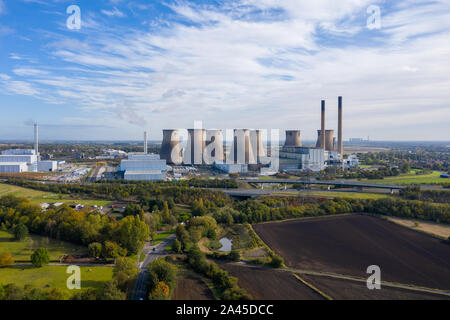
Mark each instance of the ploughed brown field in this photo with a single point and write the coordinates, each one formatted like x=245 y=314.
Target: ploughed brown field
x=342 y=289
x=347 y=245
x=269 y=284
x=191 y=288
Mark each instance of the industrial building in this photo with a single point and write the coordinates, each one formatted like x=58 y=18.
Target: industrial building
x=327 y=151
x=143 y=166
x=25 y=160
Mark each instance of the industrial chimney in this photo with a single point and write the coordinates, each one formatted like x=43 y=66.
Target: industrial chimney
x=340 y=143
x=322 y=128
x=145 y=142
x=36 y=139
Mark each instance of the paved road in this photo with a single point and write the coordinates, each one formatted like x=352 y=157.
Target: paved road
x=140 y=290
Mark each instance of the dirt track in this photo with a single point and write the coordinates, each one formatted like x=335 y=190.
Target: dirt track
x=340 y=289
x=349 y=244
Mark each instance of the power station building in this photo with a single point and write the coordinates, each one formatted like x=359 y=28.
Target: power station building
x=294 y=157
x=25 y=160
x=143 y=166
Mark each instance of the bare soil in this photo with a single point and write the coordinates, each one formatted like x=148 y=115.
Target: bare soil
x=349 y=244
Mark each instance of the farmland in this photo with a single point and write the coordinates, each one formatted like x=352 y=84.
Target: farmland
x=347 y=245
x=22 y=250
x=269 y=284
x=38 y=197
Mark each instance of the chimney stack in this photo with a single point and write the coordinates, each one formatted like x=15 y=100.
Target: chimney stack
x=145 y=142
x=322 y=128
x=340 y=143
x=36 y=139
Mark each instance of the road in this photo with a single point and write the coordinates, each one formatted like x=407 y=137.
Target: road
x=151 y=253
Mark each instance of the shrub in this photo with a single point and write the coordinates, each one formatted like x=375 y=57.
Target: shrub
x=40 y=257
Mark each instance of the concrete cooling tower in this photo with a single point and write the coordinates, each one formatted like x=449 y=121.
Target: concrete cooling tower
x=170 y=147
x=329 y=140
x=257 y=144
x=242 y=151
x=293 y=138
x=195 y=147
x=214 y=147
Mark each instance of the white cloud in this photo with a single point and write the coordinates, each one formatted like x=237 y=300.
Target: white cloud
x=113 y=13
x=263 y=63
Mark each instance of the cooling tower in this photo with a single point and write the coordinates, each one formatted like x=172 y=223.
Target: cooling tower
x=322 y=127
x=242 y=148
x=195 y=147
x=340 y=146
x=170 y=147
x=329 y=137
x=256 y=141
x=293 y=138
x=214 y=147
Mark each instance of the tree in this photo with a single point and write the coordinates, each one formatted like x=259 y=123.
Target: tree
x=40 y=257
x=276 y=261
x=234 y=255
x=95 y=249
x=160 y=292
x=131 y=233
x=6 y=259
x=112 y=250
x=111 y=292
x=20 y=232
x=124 y=271
x=162 y=271
x=176 y=246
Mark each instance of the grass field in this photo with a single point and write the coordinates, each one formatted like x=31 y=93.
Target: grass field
x=432 y=178
x=162 y=236
x=36 y=196
x=22 y=250
x=54 y=276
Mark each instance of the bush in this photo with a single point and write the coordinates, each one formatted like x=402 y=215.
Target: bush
x=234 y=255
x=20 y=232
x=276 y=261
x=95 y=249
x=6 y=259
x=40 y=257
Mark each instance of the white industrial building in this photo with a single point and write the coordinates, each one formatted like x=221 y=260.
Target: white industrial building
x=25 y=160
x=143 y=166
x=13 y=167
x=47 y=166
x=302 y=158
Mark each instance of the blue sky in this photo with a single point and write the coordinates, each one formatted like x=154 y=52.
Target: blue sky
x=148 y=65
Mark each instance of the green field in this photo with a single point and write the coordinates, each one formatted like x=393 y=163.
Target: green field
x=36 y=196
x=22 y=250
x=54 y=276
x=162 y=236
x=432 y=178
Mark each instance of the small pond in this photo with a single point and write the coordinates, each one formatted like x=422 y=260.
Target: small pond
x=226 y=244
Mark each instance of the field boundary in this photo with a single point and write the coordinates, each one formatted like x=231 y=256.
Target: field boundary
x=327 y=297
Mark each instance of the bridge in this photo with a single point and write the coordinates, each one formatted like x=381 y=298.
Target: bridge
x=337 y=183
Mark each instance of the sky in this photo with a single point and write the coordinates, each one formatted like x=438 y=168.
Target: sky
x=148 y=65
